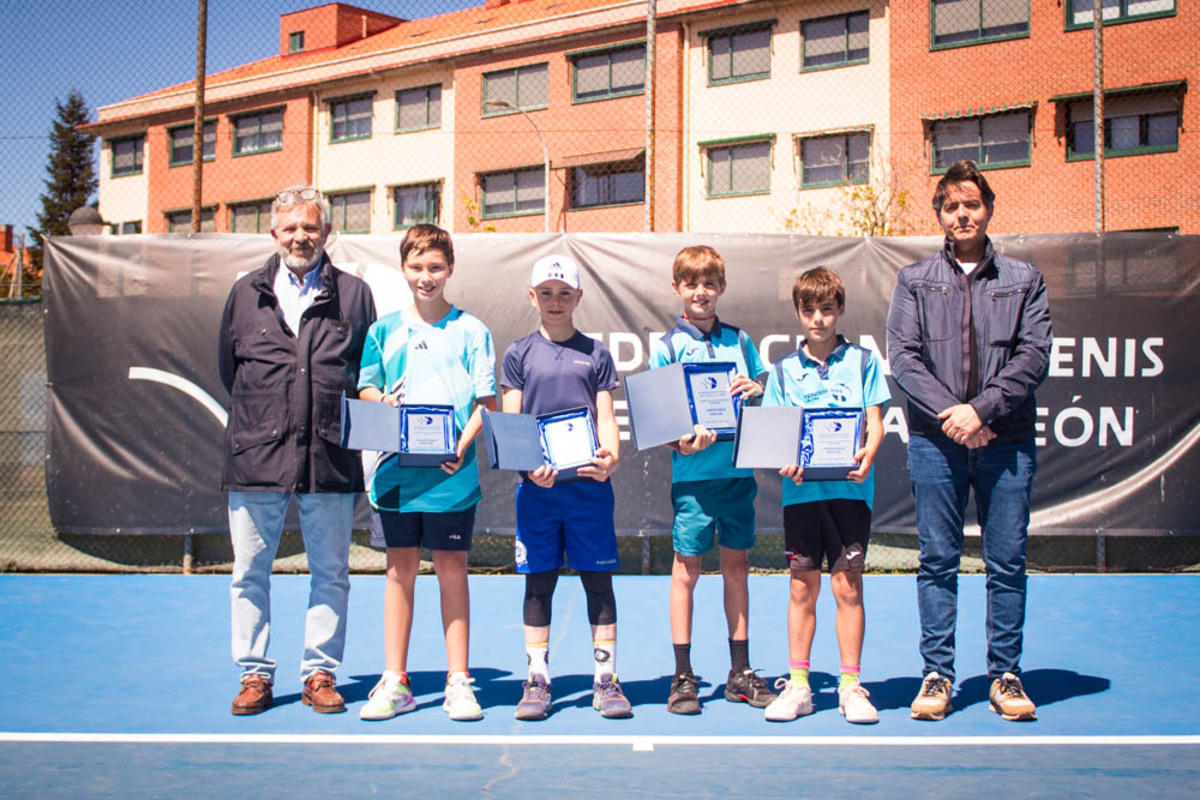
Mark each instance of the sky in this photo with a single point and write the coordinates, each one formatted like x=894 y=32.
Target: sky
x=115 y=49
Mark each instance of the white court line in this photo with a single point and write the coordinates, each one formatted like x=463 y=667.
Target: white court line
x=637 y=743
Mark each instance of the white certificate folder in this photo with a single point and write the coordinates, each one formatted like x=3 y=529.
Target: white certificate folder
x=772 y=438
x=372 y=425
x=661 y=407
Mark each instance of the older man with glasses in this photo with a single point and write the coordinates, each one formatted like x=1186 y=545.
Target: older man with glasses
x=290 y=340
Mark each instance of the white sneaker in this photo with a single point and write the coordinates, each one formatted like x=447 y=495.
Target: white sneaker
x=794 y=701
x=460 y=701
x=391 y=696
x=854 y=705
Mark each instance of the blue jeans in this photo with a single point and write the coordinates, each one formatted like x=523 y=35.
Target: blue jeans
x=255 y=525
x=943 y=474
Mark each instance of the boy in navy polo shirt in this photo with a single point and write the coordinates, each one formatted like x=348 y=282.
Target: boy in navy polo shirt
x=553 y=369
x=827 y=519
x=708 y=494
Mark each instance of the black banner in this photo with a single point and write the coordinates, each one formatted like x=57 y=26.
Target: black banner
x=137 y=411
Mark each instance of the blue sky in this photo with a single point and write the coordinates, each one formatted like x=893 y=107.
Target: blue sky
x=114 y=49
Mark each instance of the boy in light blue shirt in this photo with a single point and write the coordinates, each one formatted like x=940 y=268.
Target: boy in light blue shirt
x=710 y=497
x=431 y=353
x=831 y=519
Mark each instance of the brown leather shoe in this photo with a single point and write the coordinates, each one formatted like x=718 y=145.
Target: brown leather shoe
x=319 y=692
x=255 y=696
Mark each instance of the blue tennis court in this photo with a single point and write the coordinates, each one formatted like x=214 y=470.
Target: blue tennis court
x=120 y=686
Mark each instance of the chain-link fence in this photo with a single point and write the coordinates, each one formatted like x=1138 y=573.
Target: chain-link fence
x=830 y=117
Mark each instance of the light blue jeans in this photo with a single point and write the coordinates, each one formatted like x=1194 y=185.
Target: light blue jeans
x=255 y=525
x=943 y=473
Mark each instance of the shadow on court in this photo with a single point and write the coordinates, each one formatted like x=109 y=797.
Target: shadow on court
x=1049 y=686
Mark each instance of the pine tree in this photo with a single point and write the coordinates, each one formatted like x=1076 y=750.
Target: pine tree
x=72 y=174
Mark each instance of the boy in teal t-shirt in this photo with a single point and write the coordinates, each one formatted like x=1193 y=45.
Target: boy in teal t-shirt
x=434 y=354
x=708 y=494
x=827 y=520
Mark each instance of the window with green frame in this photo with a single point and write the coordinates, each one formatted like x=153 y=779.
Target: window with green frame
x=420 y=108
x=250 y=217
x=350 y=211
x=994 y=141
x=738 y=167
x=350 y=118
x=180 y=143
x=524 y=87
x=181 y=221
x=837 y=41
x=835 y=159
x=127 y=155
x=1079 y=12
x=1133 y=125
x=516 y=193
x=416 y=203
x=608 y=184
x=954 y=23
x=128 y=228
x=296 y=42
x=739 y=54
x=258 y=133
x=617 y=72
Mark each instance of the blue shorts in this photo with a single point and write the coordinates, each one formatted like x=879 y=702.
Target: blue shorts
x=572 y=516
x=721 y=506
x=450 y=530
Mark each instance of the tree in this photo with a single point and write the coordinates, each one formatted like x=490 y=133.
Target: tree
x=71 y=174
x=878 y=207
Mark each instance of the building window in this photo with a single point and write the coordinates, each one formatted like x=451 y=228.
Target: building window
x=1133 y=125
x=992 y=142
x=611 y=73
x=128 y=228
x=738 y=167
x=739 y=54
x=835 y=41
x=1079 y=12
x=258 y=133
x=351 y=212
x=511 y=194
x=416 y=204
x=522 y=87
x=250 y=217
x=835 y=160
x=181 y=221
x=127 y=156
x=296 y=42
x=350 y=118
x=420 y=108
x=963 y=22
x=180 y=139
x=609 y=183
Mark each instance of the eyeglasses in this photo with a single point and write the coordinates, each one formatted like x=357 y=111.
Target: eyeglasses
x=290 y=196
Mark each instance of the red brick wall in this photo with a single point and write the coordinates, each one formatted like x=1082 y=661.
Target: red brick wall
x=1051 y=195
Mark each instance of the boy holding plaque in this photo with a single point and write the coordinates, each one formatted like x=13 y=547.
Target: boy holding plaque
x=710 y=497
x=828 y=519
x=430 y=354
x=555 y=369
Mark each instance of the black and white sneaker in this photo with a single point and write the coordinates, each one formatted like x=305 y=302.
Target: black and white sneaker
x=746 y=687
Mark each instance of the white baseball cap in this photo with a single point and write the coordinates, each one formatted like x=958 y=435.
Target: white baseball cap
x=555 y=268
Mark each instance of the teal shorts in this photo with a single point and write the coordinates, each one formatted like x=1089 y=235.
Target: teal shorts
x=723 y=506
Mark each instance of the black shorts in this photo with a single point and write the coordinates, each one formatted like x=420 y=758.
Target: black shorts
x=827 y=530
x=449 y=530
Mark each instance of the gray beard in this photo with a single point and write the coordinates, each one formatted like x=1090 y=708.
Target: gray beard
x=296 y=263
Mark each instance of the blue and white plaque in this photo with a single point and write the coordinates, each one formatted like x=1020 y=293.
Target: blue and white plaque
x=708 y=391
x=568 y=438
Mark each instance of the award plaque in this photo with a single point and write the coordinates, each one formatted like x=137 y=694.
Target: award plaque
x=829 y=439
x=426 y=435
x=709 y=397
x=568 y=438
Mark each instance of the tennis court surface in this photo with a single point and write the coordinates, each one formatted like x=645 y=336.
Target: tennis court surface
x=121 y=685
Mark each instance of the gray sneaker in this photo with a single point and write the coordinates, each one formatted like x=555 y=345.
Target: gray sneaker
x=609 y=700
x=1008 y=699
x=535 y=699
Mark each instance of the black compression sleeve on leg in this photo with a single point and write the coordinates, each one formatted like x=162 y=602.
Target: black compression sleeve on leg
x=539 y=592
x=601 y=602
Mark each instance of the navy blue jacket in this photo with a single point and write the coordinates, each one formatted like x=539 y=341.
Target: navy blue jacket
x=285 y=391
x=934 y=312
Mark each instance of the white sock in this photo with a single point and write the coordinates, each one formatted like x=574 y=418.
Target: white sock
x=538 y=656
x=605 y=653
